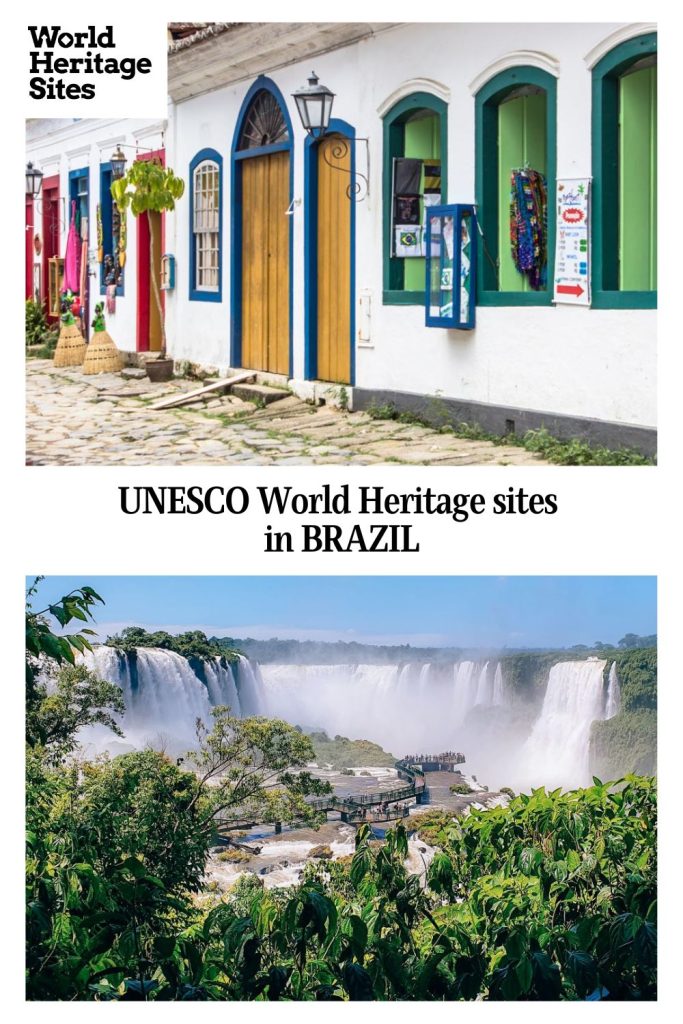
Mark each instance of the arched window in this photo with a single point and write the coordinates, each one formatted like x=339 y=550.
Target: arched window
x=264 y=123
x=206 y=201
x=625 y=176
x=415 y=174
x=515 y=162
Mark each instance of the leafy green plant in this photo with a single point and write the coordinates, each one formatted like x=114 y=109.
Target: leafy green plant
x=98 y=322
x=38 y=330
x=461 y=789
x=149 y=187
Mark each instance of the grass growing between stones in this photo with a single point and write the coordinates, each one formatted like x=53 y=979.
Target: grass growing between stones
x=573 y=452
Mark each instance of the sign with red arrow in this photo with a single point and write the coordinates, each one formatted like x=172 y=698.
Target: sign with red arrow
x=572 y=243
x=569 y=289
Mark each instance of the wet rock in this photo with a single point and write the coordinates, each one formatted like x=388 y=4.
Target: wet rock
x=322 y=852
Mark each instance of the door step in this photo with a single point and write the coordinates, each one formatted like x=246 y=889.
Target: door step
x=262 y=394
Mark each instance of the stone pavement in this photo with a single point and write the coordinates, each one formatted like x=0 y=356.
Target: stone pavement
x=105 y=420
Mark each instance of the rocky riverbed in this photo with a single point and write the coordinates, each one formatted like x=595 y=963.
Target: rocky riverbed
x=279 y=859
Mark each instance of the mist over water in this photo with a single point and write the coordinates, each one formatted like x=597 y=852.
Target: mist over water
x=507 y=738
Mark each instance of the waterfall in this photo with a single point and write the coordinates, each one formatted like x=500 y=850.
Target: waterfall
x=164 y=697
x=613 y=702
x=498 y=687
x=557 y=751
x=404 y=706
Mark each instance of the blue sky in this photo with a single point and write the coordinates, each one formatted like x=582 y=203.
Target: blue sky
x=463 y=611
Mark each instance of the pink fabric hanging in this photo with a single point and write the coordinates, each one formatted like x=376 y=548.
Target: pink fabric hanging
x=72 y=257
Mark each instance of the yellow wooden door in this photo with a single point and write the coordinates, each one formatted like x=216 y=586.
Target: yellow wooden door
x=265 y=263
x=334 y=261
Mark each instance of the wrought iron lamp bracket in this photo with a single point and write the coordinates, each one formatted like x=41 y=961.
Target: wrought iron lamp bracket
x=336 y=147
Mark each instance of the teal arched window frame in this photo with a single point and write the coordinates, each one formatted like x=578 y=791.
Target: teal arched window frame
x=394 y=120
x=605 y=192
x=486 y=181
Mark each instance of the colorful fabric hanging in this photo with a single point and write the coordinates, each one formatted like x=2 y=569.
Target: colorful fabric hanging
x=528 y=225
x=72 y=256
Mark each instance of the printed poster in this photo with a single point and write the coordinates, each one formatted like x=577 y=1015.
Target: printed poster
x=572 y=246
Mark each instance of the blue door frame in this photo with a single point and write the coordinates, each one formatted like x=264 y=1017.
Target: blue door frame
x=236 y=158
x=74 y=176
x=311 y=250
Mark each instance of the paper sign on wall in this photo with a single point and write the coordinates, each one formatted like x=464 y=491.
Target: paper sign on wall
x=572 y=248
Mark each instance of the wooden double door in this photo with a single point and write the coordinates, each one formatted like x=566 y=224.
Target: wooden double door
x=265 y=262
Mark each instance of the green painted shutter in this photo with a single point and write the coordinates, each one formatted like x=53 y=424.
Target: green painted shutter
x=422 y=142
x=638 y=180
x=521 y=142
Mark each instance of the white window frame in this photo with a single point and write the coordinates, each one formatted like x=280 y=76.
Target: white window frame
x=206 y=197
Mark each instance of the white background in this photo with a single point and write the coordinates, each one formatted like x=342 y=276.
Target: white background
x=67 y=520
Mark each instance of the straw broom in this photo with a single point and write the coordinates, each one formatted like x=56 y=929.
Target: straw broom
x=102 y=355
x=71 y=346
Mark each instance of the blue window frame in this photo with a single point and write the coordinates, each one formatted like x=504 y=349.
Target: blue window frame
x=111 y=222
x=451 y=267
x=206 y=226
x=78 y=193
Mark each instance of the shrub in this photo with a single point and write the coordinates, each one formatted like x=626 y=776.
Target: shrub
x=38 y=330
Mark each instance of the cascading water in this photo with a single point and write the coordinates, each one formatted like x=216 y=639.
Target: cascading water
x=557 y=752
x=613 y=704
x=400 y=706
x=404 y=707
x=498 y=687
x=164 y=696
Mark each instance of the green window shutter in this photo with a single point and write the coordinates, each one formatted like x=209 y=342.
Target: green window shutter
x=638 y=180
x=521 y=142
x=422 y=142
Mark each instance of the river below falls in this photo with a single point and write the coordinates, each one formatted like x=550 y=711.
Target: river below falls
x=279 y=859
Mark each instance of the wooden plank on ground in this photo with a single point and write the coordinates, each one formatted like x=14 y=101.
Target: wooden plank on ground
x=191 y=396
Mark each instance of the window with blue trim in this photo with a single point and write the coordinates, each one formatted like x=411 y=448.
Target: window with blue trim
x=205 y=226
x=109 y=236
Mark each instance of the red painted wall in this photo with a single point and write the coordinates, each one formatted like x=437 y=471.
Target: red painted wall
x=143 y=277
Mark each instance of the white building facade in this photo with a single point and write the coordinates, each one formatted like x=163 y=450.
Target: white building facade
x=288 y=255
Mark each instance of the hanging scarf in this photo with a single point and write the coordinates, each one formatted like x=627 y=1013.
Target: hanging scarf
x=72 y=255
x=528 y=225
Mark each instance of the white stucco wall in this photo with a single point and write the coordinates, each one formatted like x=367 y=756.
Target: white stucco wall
x=58 y=147
x=573 y=361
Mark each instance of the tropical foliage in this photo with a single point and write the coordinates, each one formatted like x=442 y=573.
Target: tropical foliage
x=193 y=644
x=552 y=897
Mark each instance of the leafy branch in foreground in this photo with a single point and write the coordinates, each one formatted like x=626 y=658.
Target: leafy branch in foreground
x=42 y=643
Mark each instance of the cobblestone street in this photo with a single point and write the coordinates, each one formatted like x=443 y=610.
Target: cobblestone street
x=77 y=420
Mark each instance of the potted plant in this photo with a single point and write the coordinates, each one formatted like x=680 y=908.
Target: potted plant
x=149 y=187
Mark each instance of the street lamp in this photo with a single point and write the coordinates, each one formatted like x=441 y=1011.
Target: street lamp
x=34 y=180
x=314 y=105
x=118 y=163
